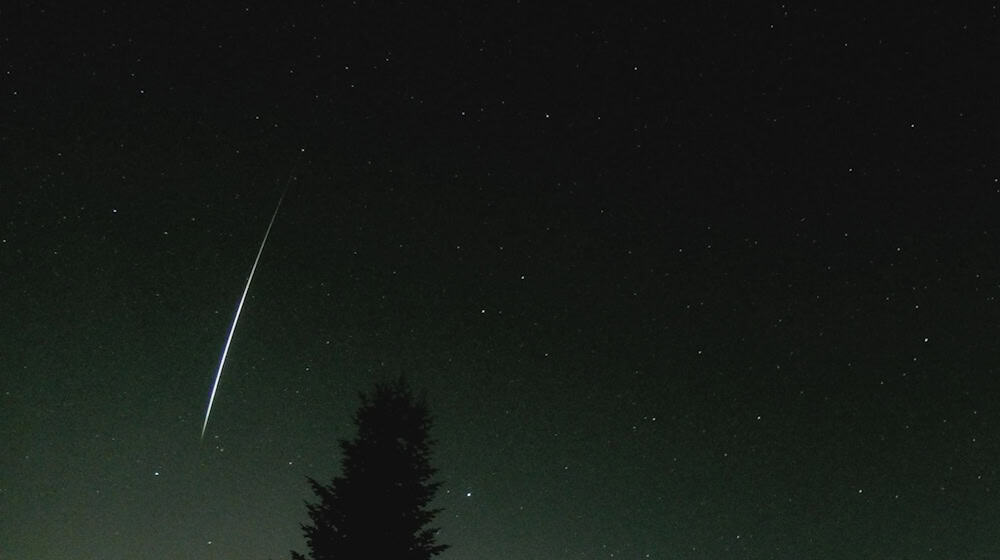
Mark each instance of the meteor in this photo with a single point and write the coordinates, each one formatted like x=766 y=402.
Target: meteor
x=236 y=318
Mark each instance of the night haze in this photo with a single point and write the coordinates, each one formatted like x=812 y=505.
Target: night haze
x=678 y=282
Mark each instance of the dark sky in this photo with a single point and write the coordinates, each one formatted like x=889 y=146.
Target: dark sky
x=680 y=282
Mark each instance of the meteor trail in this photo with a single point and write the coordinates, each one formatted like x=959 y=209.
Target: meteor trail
x=239 y=309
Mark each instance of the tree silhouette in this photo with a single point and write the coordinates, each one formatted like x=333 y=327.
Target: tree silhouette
x=378 y=506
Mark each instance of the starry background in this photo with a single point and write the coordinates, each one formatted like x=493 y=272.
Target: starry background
x=680 y=282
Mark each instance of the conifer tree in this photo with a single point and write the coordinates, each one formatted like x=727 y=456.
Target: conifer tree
x=378 y=507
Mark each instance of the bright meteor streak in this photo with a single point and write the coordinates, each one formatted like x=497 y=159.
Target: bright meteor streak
x=239 y=309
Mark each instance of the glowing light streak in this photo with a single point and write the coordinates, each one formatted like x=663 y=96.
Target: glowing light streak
x=236 y=318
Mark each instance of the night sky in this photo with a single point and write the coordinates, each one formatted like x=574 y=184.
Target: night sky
x=699 y=282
